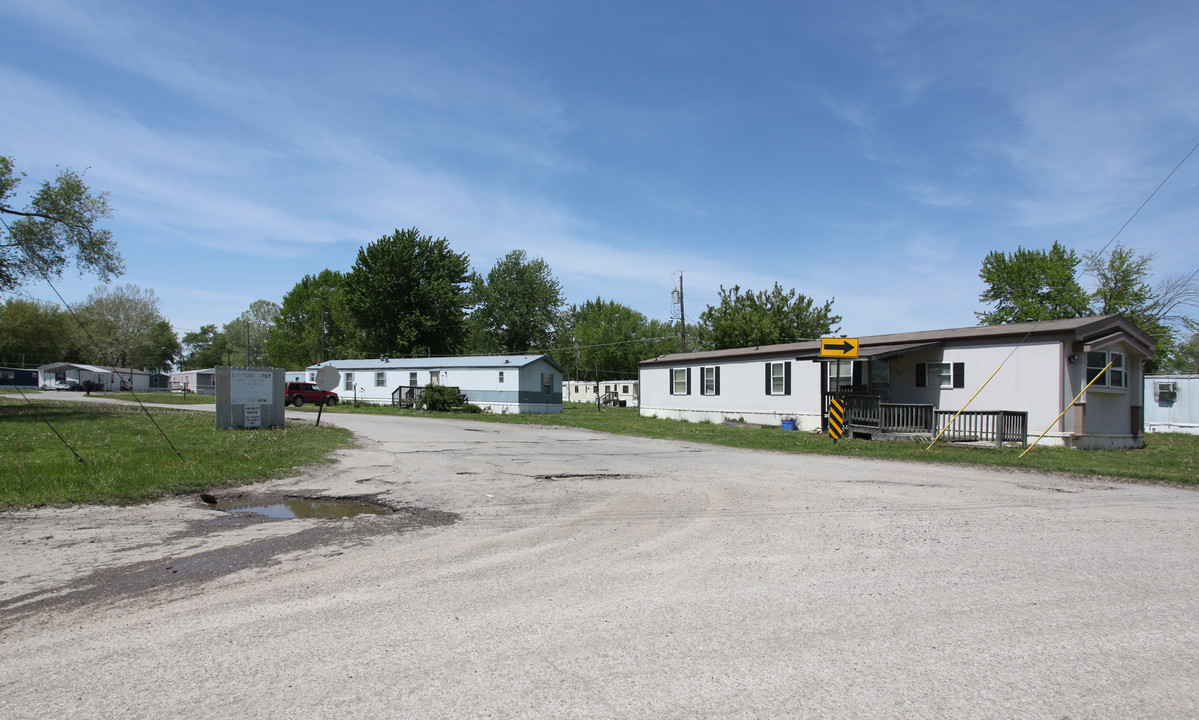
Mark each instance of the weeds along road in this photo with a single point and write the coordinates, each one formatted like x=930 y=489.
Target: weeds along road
x=552 y=572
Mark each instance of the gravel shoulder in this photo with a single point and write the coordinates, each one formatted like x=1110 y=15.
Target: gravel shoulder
x=553 y=572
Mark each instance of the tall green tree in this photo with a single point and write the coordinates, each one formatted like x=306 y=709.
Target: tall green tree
x=34 y=333
x=407 y=293
x=246 y=335
x=764 y=318
x=516 y=305
x=207 y=347
x=55 y=227
x=604 y=340
x=1186 y=356
x=1031 y=285
x=1122 y=288
x=124 y=328
x=312 y=324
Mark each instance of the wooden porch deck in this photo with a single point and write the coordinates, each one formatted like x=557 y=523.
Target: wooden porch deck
x=867 y=416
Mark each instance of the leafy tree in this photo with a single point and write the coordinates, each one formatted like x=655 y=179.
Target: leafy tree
x=1122 y=288
x=763 y=318
x=407 y=294
x=124 y=328
x=205 y=348
x=1031 y=285
x=246 y=335
x=603 y=340
x=516 y=306
x=56 y=227
x=1186 y=356
x=312 y=319
x=34 y=333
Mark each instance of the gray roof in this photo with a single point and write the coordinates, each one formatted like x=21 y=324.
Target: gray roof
x=1079 y=329
x=477 y=362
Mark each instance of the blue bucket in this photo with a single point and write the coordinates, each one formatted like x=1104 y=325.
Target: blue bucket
x=788 y=424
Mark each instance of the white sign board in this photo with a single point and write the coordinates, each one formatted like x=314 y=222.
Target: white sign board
x=253 y=416
x=250 y=387
x=328 y=377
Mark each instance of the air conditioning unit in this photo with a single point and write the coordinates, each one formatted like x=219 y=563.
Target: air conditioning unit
x=1165 y=391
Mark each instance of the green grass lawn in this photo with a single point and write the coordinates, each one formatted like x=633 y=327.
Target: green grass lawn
x=158 y=396
x=127 y=461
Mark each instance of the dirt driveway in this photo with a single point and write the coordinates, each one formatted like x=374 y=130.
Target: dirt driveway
x=551 y=572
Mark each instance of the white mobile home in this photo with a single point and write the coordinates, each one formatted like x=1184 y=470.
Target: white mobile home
x=611 y=392
x=201 y=382
x=1172 y=403
x=93 y=377
x=921 y=377
x=496 y=383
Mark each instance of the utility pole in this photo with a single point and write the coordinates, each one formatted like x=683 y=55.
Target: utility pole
x=682 y=312
x=324 y=332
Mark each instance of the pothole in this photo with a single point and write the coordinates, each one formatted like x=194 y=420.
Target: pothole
x=284 y=508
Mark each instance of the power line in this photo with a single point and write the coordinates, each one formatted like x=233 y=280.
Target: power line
x=1159 y=187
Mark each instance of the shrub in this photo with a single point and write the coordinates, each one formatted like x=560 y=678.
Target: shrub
x=440 y=398
x=471 y=408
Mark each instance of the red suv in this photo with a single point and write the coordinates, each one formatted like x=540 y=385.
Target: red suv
x=298 y=393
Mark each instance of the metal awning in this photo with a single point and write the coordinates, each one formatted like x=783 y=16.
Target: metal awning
x=873 y=352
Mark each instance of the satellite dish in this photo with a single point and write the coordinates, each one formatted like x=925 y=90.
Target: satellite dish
x=328 y=377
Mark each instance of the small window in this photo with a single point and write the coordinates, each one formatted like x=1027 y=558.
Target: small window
x=624 y=389
x=680 y=381
x=349 y=381
x=311 y=377
x=711 y=377
x=778 y=378
x=840 y=375
x=939 y=375
x=380 y=379
x=1116 y=376
x=412 y=379
x=547 y=383
x=501 y=376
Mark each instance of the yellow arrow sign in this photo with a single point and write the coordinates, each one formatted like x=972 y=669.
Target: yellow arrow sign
x=839 y=347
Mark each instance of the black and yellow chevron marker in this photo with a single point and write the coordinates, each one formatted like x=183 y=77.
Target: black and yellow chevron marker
x=836 y=418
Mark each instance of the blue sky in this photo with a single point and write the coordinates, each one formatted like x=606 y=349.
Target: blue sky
x=871 y=152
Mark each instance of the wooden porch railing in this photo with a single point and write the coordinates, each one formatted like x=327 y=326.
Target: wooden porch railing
x=867 y=413
x=998 y=426
x=407 y=395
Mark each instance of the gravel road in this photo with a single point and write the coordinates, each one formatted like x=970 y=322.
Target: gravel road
x=552 y=572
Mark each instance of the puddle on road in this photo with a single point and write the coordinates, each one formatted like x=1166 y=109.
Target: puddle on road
x=286 y=508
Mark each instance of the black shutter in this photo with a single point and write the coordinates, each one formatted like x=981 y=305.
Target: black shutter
x=767 y=378
x=921 y=375
x=717 y=372
x=858 y=366
x=786 y=378
x=688 y=381
x=669 y=376
x=959 y=375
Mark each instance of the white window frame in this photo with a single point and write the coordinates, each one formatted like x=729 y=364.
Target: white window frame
x=778 y=378
x=349 y=381
x=708 y=375
x=844 y=380
x=938 y=375
x=380 y=379
x=501 y=376
x=547 y=383
x=678 y=377
x=1115 y=377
